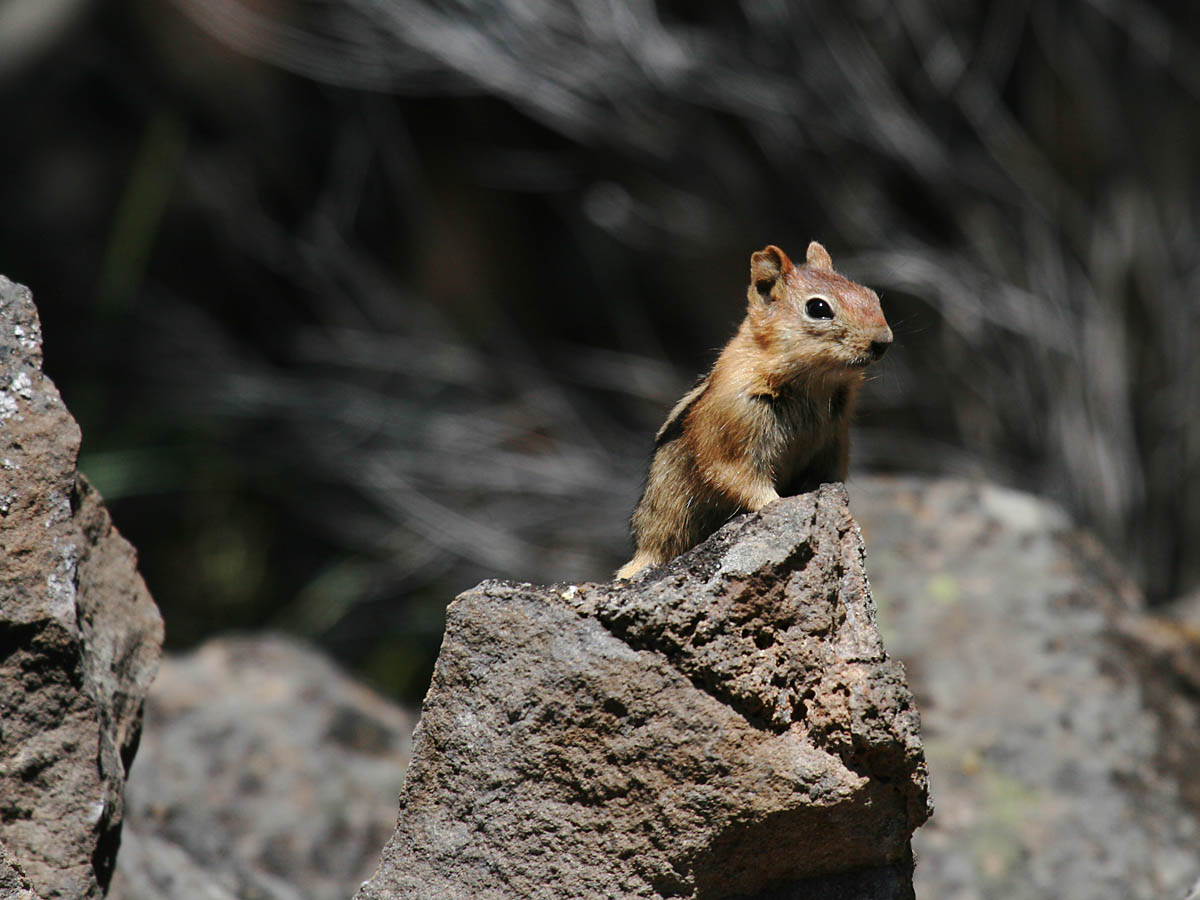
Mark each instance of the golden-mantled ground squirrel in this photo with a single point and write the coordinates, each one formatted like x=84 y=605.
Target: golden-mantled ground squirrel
x=772 y=418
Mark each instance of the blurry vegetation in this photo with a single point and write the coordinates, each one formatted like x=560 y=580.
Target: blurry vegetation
x=360 y=302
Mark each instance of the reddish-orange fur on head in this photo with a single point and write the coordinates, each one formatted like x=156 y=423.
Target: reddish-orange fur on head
x=797 y=343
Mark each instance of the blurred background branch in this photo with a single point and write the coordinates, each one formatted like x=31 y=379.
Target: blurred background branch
x=360 y=302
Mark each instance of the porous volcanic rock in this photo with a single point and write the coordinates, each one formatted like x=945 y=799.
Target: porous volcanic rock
x=264 y=772
x=80 y=636
x=13 y=883
x=1060 y=718
x=728 y=725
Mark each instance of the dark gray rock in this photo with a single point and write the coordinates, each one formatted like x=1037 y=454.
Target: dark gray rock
x=1060 y=720
x=13 y=883
x=728 y=725
x=264 y=772
x=79 y=635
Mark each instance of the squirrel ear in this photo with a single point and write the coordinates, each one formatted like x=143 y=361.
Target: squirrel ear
x=818 y=257
x=766 y=268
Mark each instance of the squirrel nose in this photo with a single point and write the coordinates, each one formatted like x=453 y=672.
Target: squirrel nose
x=880 y=344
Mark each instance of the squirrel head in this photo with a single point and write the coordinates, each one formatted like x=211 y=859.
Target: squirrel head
x=816 y=320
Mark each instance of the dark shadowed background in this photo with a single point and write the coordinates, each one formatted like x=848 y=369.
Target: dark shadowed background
x=360 y=302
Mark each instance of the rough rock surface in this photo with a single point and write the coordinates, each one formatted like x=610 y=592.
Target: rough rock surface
x=13 y=883
x=728 y=725
x=79 y=635
x=264 y=772
x=1060 y=720
x=1061 y=723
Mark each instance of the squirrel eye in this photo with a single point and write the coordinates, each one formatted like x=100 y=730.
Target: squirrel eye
x=816 y=308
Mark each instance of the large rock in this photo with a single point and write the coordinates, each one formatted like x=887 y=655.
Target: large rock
x=1060 y=722
x=264 y=772
x=80 y=635
x=729 y=725
x=1060 y=719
